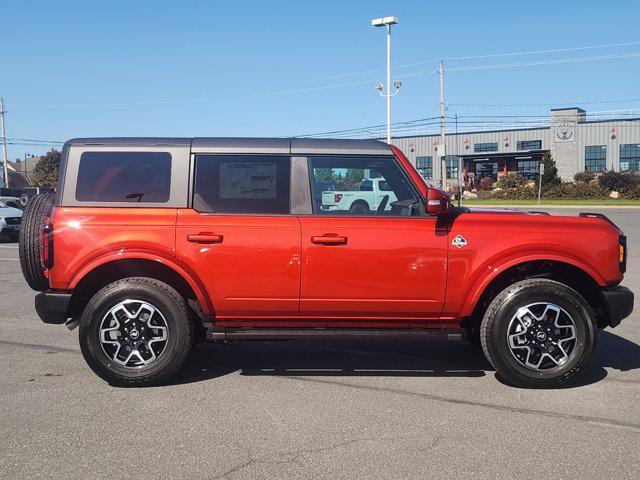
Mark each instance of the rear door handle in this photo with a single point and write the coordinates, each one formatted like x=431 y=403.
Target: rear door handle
x=329 y=239
x=204 y=237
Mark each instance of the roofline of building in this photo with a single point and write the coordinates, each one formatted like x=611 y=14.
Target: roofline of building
x=528 y=129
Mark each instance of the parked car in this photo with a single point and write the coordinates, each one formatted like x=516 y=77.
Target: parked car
x=374 y=193
x=10 y=218
x=150 y=245
x=13 y=202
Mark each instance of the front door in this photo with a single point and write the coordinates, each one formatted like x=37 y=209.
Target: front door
x=387 y=262
x=239 y=236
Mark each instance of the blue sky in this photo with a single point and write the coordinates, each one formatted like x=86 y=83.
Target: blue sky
x=197 y=68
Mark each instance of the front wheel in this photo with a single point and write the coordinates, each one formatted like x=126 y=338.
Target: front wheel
x=136 y=332
x=538 y=333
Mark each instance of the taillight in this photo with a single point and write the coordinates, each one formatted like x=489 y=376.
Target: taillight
x=622 y=253
x=337 y=197
x=46 y=244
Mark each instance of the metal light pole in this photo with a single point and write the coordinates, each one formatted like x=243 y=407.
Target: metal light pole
x=387 y=22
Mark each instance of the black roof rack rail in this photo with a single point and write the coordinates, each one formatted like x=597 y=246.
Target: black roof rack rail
x=601 y=216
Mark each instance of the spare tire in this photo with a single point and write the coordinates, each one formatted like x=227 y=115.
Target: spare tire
x=38 y=210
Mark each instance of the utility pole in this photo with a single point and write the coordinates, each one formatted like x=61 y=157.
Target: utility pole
x=4 y=145
x=441 y=147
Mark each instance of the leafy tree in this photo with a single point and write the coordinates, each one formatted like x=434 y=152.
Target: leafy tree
x=353 y=178
x=45 y=172
x=550 y=176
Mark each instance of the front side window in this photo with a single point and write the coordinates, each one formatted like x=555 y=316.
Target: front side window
x=595 y=158
x=361 y=186
x=630 y=157
x=143 y=177
x=424 y=165
x=485 y=147
x=242 y=184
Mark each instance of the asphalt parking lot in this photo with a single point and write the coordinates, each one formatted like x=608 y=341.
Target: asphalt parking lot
x=338 y=410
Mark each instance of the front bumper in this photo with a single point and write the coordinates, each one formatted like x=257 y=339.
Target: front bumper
x=52 y=306
x=618 y=302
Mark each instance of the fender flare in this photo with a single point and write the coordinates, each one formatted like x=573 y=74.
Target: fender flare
x=145 y=254
x=496 y=266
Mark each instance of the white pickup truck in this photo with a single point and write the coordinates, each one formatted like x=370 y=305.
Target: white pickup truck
x=370 y=197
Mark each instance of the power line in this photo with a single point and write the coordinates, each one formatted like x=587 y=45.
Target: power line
x=626 y=100
x=362 y=82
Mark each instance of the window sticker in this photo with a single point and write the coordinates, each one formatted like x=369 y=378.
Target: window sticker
x=248 y=180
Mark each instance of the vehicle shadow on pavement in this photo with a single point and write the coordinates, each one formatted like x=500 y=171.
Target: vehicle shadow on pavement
x=375 y=358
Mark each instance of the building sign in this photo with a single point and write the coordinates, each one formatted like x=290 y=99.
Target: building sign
x=565 y=130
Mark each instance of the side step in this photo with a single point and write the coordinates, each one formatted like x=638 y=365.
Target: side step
x=233 y=334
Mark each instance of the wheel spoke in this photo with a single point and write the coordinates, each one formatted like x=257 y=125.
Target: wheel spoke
x=128 y=331
x=541 y=336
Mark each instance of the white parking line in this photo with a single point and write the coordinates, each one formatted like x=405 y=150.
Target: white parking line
x=10 y=259
x=12 y=247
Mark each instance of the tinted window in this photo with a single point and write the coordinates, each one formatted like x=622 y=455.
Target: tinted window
x=486 y=147
x=124 y=177
x=362 y=186
x=242 y=184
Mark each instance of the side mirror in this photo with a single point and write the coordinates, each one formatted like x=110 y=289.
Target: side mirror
x=437 y=201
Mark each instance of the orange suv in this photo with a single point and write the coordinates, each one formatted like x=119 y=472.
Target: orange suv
x=151 y=244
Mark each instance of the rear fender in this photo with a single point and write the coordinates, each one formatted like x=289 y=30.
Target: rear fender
x=185 y=272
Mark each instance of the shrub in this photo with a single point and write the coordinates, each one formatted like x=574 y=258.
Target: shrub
x=510 y=180
x=520 y=193
x=576 y=191
x=486 y=183
x=632 y=193
x=585 y=177
x=619 y=181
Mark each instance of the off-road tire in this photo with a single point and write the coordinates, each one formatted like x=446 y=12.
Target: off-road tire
x=29 y=242
x=180 y=333
x=493 y=332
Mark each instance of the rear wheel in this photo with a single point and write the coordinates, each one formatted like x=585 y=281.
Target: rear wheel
x=29 y=243
x=359 y=207
x=538 y=333
x=136 y=332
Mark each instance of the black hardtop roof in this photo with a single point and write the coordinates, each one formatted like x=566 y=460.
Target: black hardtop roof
x=293 y=146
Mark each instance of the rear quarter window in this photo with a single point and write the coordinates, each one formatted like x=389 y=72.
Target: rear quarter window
x=142 y=177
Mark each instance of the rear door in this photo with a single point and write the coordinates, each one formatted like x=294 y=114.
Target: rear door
x=240 y=238
x=388 y=261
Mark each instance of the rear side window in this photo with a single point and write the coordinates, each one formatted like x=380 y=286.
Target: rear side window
x=249 y=184
x=143 y=177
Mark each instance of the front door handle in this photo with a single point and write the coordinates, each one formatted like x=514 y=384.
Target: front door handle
x=204 y=237
x=329 y=239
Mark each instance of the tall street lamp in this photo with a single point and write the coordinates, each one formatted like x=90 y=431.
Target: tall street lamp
x=387 y=22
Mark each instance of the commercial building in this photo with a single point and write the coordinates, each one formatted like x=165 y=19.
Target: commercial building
x=576 y=142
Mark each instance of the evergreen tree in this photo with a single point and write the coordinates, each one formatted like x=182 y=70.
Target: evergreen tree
x=45 y=172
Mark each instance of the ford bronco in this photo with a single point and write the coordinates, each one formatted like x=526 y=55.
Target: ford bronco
x=152 y=244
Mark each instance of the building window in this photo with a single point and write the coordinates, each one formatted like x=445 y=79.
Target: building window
x=528 y=168
x=485 y=147
x=630 y=157
x=451 y=162
x=424 y=165
x=595 y=158
x=529 y=145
